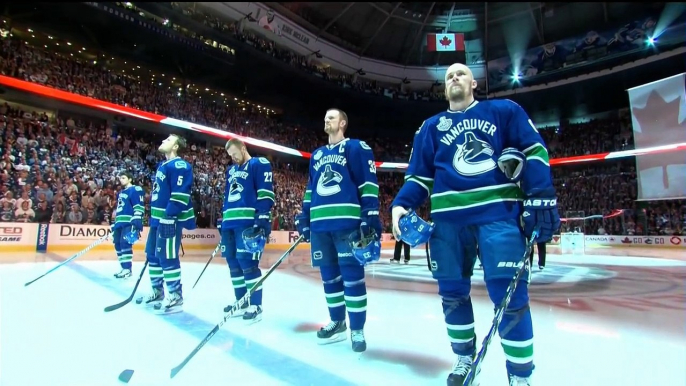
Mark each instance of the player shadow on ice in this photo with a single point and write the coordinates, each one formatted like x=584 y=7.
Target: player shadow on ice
x=420 y=364
x=308 y=327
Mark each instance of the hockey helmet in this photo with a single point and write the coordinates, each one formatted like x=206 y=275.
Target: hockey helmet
x=132 y=236
x=254 y=239
x=414 y=230
x=366 y=248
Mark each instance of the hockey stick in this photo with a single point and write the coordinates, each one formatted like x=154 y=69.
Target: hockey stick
x=126 y=375
x=88 y=248
x=127 y=301
x=208 y=263
x=500 y=312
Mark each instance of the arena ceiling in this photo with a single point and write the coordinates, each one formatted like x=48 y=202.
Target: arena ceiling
x=395 y=31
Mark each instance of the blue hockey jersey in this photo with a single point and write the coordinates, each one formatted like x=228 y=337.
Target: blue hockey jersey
x=454 y=161
x=129 y=204
x=342 y=186
x=171 y=193
x=249 y=190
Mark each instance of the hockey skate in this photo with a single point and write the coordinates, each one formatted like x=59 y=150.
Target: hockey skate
x=152 y=299
x=123 y=274
x=357 y=337
x=239 y=312
x=253 y=314
x=460 y=369
x=332 y=333
x=173 y=305
x=519 y=381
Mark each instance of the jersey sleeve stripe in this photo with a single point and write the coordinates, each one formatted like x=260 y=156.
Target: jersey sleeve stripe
x=537 y=152
x=265 y=194
x=368 y=189
x=426 y=183
x=308 y=196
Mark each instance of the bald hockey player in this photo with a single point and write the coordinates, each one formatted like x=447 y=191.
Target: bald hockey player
x=129 y=215
x=246 y=214
x=341 y=219
x=455 y=162
x=171 y=211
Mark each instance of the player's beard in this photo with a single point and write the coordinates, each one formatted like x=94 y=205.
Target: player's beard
x=456 y=93
x=330 y=129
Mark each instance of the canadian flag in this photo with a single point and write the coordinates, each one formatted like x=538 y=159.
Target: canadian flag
x=445 y=42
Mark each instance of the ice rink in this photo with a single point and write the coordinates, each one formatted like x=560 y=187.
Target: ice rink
x=610 y=317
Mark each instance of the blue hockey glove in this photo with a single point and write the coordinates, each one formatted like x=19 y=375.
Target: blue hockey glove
x=262 y=222
x=302 y=224
x=541 y=213
x=167 y=228
x=137 y=223
x=512 y=163
x=132 y=235
x=370 y=222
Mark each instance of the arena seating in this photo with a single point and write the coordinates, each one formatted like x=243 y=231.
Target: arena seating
x=63 y=170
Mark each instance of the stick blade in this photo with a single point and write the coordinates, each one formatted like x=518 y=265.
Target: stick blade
x=117 y=306
x=125 y=376
x=175 y=371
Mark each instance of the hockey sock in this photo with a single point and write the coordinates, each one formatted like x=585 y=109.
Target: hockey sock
x=237 y=279
x=458 y=314
x=155 y=272
x=333 y=290
x=126 y=256
x=355 y=295
x=252 y=276
x=171 y=265
x=517 y=340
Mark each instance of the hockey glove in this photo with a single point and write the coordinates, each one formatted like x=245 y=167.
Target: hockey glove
x=219 y=223
x=512 y=163
x=167 y=228
x=137 y=223
x=262 y=222
x=541 y=213
x=371 y=223
x=302 y=224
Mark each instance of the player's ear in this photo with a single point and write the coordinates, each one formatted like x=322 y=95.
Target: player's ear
x=474 y=84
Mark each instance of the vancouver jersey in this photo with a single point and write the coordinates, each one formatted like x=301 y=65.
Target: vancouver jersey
x=454 y=161
x=171 y=193
x=249 y=191
x=342 y=186
x=129 y=204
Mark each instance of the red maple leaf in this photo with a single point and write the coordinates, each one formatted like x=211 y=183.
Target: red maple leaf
x=445 y=42
x=659 y=122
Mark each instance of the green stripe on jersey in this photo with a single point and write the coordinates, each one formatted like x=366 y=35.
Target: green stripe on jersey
x=180 y=197
x=454 y=201
x=238 y=214
x=334 y=211
x=264 y=193
x=368 y=189
x=308 y=196
x=537 y=152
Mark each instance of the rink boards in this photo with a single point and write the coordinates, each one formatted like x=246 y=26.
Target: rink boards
x=22 y=237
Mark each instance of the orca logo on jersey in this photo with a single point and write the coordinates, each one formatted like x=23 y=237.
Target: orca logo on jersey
x=120 y=203
x=328 y=182
x=234 y=192
x=473 y=157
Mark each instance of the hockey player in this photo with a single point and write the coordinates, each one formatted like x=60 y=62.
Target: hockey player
x=341 y=198
x=248 y=200
x=455 y=161
x=170 y=212
x=129 y=214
